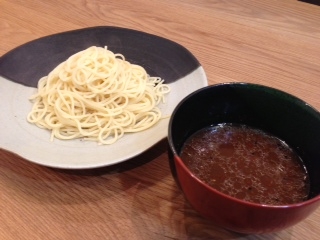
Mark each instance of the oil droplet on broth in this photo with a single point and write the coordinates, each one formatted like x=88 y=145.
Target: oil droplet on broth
x=247 y=163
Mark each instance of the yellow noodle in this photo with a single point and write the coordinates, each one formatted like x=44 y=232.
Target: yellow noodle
x=97 y=95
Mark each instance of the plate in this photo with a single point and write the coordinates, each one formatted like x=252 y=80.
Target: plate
x=22 y=67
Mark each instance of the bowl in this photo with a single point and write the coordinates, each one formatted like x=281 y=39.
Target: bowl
x=279 y=113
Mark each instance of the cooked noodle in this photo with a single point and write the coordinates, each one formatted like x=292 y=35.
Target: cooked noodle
x=97 y=95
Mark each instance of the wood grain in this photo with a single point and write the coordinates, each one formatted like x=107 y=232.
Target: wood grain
x=275 y=43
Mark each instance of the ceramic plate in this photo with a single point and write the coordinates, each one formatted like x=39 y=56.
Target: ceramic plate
x=21 y=68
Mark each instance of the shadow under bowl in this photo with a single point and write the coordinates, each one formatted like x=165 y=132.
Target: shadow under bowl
x=276 y=112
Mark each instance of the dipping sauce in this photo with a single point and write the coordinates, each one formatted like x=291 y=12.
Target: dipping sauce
x=247 y=163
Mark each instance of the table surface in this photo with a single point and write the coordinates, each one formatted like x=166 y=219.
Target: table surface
x=275 y=43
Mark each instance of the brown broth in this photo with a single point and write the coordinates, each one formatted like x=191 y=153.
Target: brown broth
x=247 y=163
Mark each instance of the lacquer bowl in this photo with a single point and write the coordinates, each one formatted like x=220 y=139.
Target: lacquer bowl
x=274 y=111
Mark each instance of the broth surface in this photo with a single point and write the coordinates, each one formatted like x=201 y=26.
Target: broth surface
x=247 y=163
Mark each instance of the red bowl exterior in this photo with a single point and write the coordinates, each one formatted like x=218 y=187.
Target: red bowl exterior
x=237 y=215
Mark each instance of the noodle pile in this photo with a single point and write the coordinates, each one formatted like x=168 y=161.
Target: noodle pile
x=97 y=95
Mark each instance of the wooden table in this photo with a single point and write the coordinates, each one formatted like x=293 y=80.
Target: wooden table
x=275 y=43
